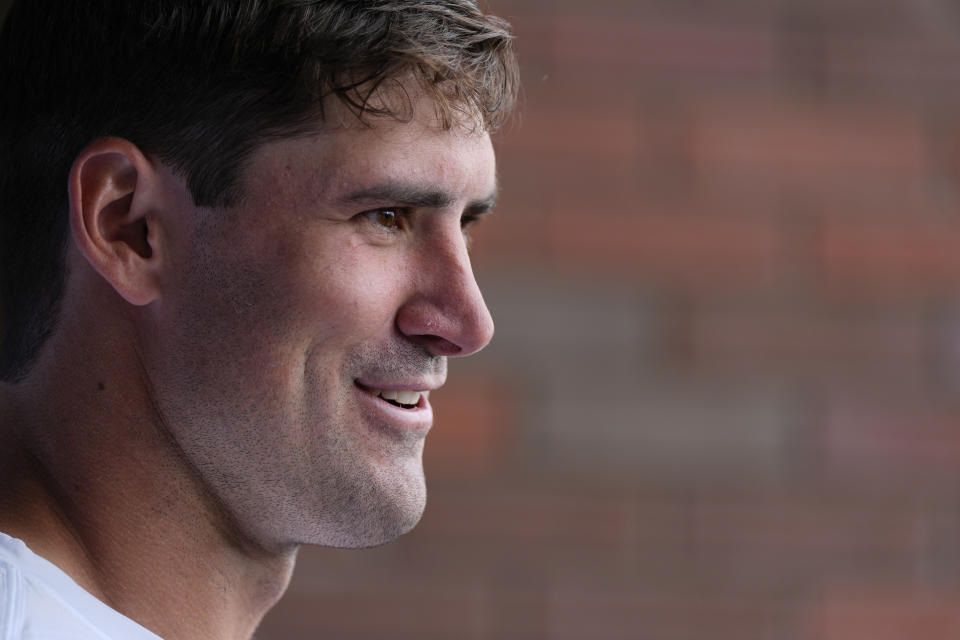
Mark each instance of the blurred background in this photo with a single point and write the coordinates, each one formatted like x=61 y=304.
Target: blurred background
x=722 y=398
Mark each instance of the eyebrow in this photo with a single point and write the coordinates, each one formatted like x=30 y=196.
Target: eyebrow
x=408 y=195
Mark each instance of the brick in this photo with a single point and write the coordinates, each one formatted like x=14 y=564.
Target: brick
x=784 y=141
x=824 y=526
x=527 y=566
x=399 y=613
x=518 y=516
x=611 y=135
x=927 y=199
x=577 y=614
x=893 y=438
x=668 y=247
x=617 y=45
x=543 y=172
x=516 y=615
x=514 y=235
x=896 y=258
x=944 y=336
x=548 y=325
x=854 y=18
x=877 y=613
x=420 y=560
x=472 y=418
x=803 y=338
x=658 y=430
x=898 y=59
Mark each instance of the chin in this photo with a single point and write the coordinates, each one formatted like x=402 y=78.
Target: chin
x=380 y=533
x=380 y=538
x=373 y=518
x=394 y=520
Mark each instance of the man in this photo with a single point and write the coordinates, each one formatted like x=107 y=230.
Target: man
x=234 y=263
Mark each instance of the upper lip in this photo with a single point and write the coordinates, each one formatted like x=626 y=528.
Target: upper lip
x=409 y=385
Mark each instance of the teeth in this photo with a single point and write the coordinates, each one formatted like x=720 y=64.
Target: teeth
x=408 y=397
x=411 y=398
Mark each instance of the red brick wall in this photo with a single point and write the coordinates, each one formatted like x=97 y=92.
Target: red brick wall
x=721 y=402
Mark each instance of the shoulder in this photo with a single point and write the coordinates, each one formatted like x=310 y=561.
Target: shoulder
x=31 y=610
x=38 y=601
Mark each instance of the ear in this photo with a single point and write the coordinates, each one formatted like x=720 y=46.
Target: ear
x=113 y=217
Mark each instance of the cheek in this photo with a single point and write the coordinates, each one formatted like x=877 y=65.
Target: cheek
x=355 y=290
x=321 y=290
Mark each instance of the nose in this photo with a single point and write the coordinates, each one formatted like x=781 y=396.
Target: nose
x=446 y=313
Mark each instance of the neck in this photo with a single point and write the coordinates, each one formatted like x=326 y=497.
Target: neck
x=90 y=483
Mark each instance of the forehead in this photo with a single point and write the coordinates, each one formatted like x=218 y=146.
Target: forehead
x=350 y=157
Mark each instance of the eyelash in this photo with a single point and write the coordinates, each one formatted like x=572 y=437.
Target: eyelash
x=399 y=218
x=468 y=220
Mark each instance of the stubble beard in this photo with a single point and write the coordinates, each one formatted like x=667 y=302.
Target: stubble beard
x=374 y=488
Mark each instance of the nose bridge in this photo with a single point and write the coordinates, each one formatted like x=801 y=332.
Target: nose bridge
x=472 y=299
x=453 y=307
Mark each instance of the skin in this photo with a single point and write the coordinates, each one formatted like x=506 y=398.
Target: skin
x=205 y=405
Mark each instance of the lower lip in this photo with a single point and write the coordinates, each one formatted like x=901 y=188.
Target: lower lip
x=407 y=421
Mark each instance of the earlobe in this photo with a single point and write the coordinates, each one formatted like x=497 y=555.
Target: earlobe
x=111 y=217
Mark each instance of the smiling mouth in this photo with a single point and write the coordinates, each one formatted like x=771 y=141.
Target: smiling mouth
x=398 y=398
x=402 y=399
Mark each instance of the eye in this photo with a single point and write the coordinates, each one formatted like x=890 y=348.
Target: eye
x=389 y=220
x=470 y=219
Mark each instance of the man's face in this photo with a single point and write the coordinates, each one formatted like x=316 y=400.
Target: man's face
x=342 y=272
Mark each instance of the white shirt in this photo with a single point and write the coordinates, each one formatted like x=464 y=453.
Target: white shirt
x=38 y=601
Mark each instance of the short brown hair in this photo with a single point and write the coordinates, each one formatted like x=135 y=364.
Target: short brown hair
x=201 y=85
